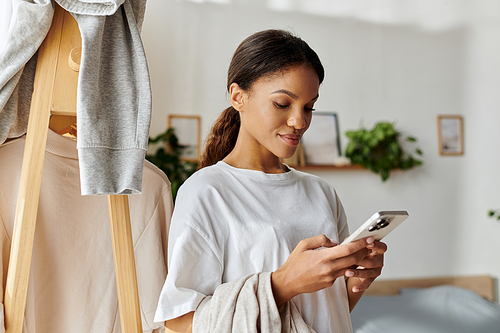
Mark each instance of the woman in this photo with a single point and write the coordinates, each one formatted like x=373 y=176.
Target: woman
x=245 y=212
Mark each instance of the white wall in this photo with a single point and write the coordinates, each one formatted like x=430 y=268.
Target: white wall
x=402 y=70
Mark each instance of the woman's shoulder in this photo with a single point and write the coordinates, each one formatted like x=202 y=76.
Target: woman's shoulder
x=208 y=175
x=312 y=179
x=198 y=198
x=202 y=183
x=316 y=185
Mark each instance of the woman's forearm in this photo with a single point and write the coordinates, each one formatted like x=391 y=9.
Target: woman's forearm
x=182 y=324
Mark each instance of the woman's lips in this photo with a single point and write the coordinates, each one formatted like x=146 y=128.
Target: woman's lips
x=291 y=139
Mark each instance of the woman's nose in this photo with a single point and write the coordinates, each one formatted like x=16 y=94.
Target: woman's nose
x=297 y=120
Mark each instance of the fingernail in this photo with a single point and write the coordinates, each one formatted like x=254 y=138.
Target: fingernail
x=349 y=273
x=334 y=242
x=370 y=240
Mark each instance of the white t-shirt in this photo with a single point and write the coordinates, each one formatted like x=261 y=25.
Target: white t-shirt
x=230 y=222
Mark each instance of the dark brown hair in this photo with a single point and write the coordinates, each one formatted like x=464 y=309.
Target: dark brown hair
x=264 y=53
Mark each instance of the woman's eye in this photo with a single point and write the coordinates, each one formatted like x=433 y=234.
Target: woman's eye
x=309 y=109
x=280 y=106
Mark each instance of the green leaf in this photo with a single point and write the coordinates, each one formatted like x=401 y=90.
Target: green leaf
x=350 y=134
x=384 y=174
x=373 y=142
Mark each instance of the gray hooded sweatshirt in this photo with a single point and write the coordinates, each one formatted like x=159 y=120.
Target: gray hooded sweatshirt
x=114 y=93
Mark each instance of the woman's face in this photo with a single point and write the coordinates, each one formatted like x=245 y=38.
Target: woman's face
x=276 y=111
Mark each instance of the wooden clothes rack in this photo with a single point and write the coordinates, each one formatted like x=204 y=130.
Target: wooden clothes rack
x=54 y=92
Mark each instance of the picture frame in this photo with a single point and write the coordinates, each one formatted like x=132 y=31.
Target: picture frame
x=188 y=131
x=321 y=142
x=450 y=135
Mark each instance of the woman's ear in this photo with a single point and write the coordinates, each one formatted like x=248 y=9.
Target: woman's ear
x=236 y=96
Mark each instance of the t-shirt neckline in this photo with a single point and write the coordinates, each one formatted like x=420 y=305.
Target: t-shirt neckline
x=260 y=175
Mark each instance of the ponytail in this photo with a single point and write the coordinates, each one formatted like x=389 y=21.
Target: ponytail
x=222 y=138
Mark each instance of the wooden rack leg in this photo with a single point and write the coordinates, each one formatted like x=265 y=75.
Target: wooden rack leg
x=123 y=252
x=31 y=178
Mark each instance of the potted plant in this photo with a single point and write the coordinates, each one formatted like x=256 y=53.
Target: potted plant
x=379 y=150
x=167 y=158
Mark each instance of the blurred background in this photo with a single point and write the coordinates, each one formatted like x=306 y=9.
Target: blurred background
x=404 y=62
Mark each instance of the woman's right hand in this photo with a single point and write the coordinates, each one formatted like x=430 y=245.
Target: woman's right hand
x=309 y=269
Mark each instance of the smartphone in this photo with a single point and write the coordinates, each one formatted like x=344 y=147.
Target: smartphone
x=379 y=225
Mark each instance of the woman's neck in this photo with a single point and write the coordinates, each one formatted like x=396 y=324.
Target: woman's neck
x=243 y=158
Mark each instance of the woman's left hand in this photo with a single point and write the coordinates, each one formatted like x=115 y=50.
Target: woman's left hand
x=368 y=269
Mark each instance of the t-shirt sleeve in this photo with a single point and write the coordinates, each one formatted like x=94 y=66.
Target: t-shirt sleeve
x=194 y=271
